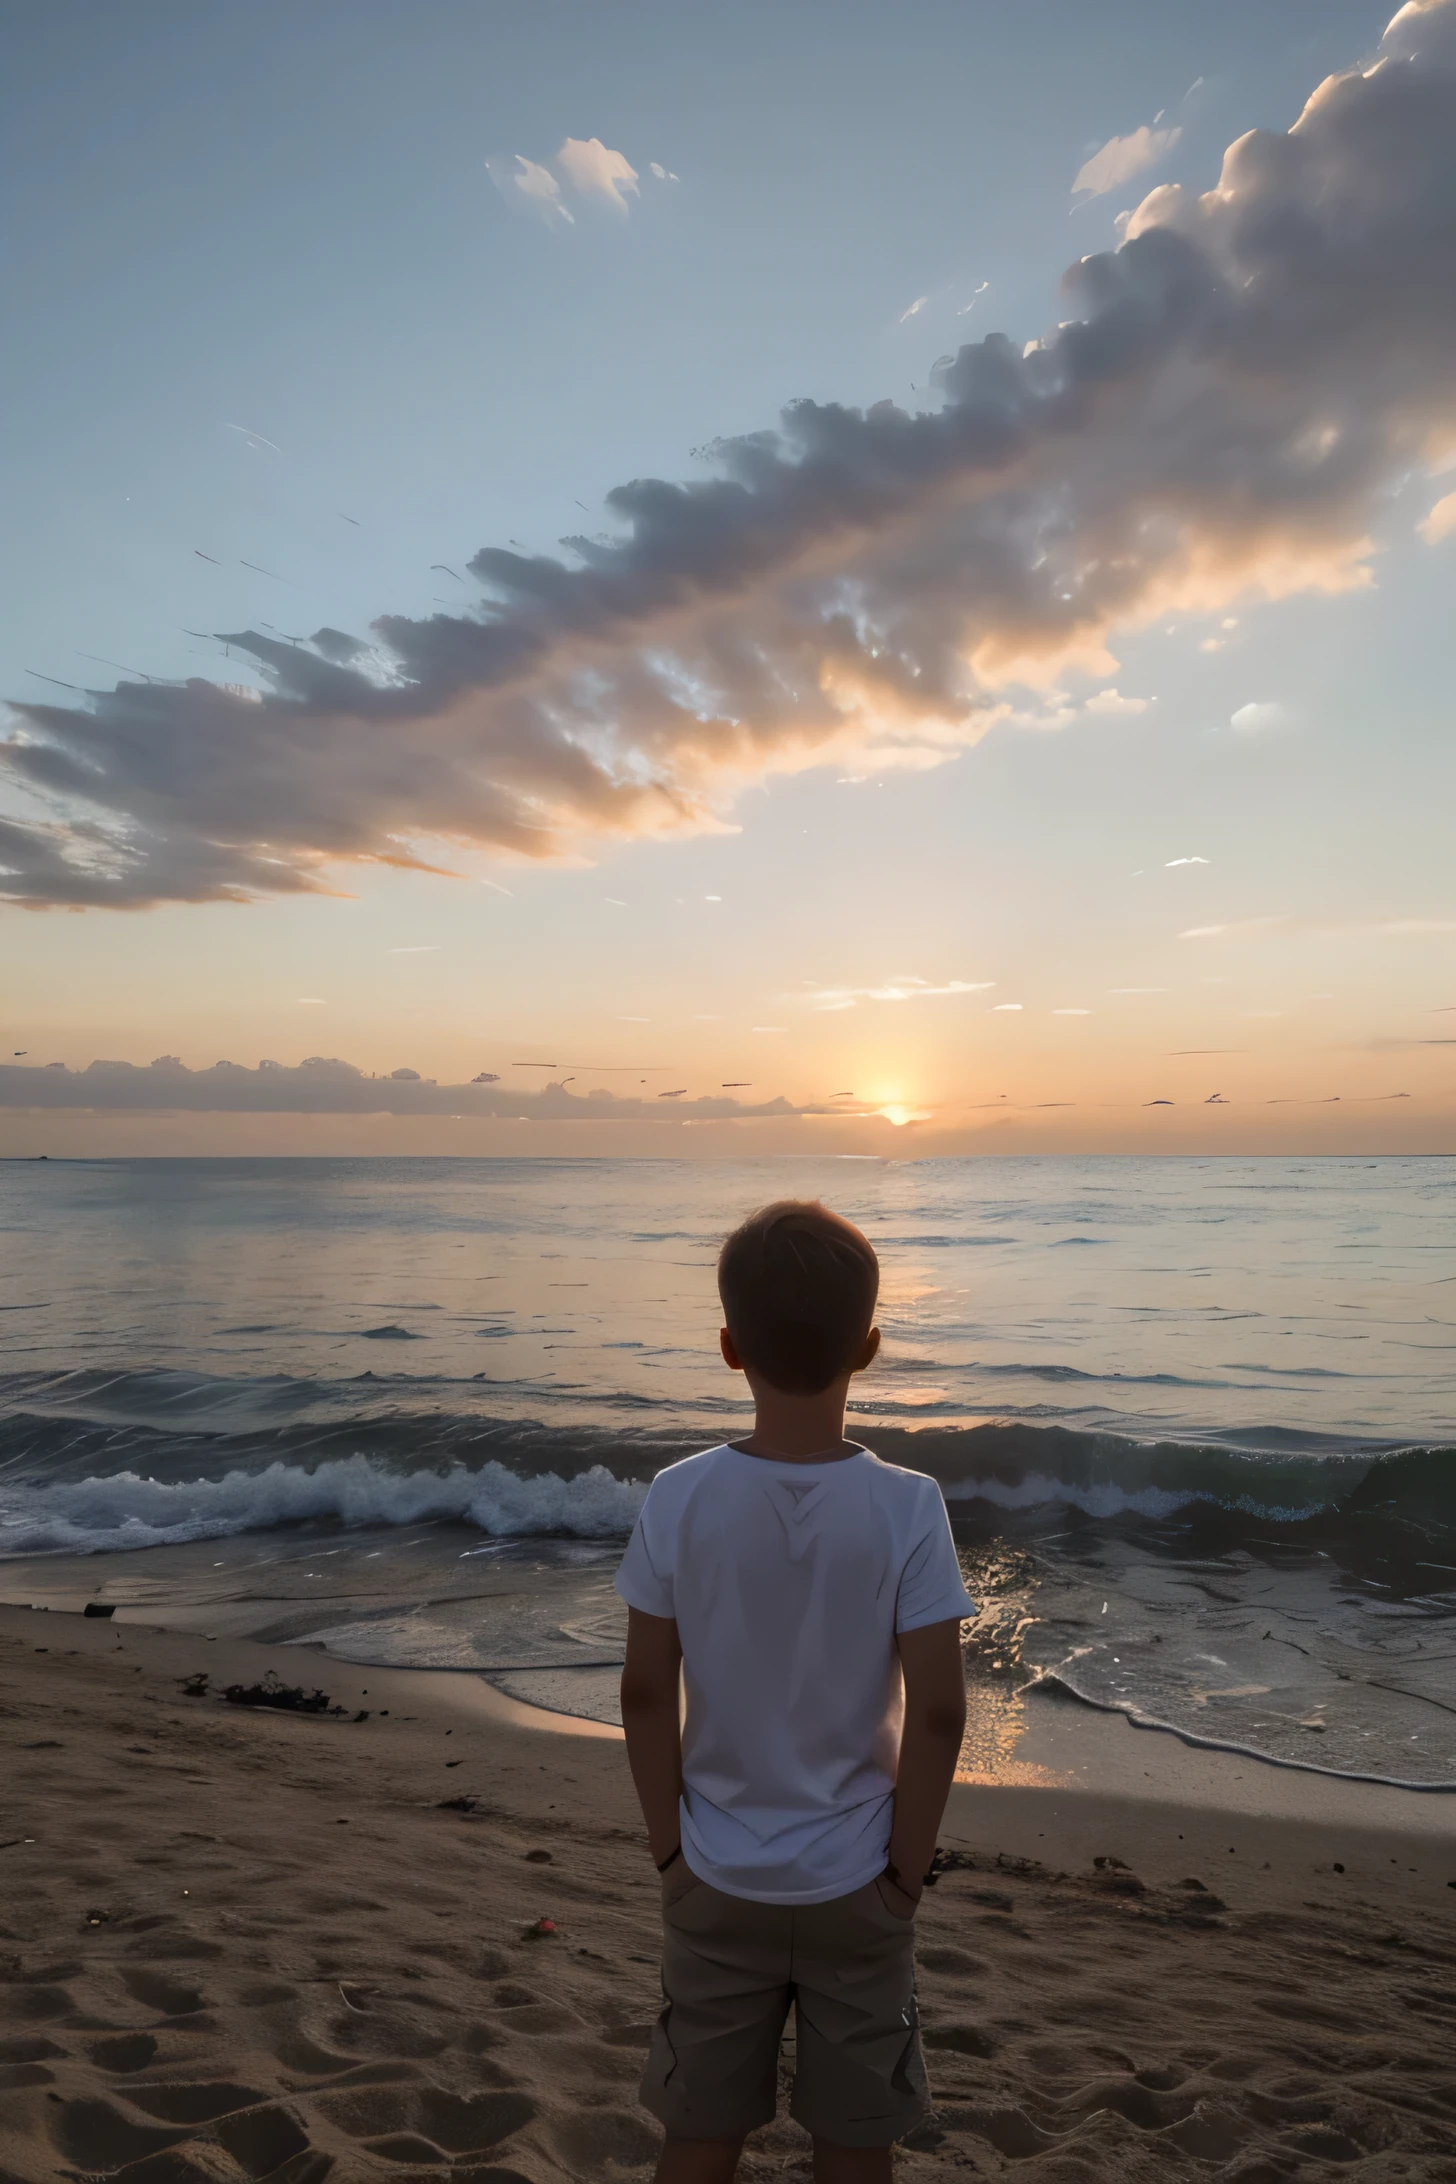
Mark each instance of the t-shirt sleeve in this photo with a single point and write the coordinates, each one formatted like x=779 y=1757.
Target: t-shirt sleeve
x=645 y=1576
x=931 y=1587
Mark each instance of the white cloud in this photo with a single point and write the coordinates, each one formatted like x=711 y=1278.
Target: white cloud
x=1259 y=716
x=1172 y=861
x=1441 y=521
x=1206 y=426
x=1113 y=701
x=661 y=174
x=584 y=165
x=914 y=311
x=1121 y=157
x=908 y=988
x=594 y=170
x=1006 y=1008
x=526 y=182
x=1071 y=1012
x=1237 y=926
x=979 y=292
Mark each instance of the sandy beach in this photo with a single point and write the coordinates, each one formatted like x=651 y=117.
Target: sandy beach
x=238 y=1944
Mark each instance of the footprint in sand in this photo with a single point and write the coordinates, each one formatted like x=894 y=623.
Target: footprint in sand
x=155 y=1991
x=452 y=2123
x=128 y=2051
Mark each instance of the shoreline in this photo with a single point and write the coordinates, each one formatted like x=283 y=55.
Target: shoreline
x=1044 y=1734
x=238 y=1944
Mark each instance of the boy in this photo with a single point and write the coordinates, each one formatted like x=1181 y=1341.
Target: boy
x=811 y=1599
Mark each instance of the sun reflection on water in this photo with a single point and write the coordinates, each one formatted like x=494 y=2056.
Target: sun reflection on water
x=1003 y=1580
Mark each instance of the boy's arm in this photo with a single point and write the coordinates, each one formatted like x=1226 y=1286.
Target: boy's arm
x=653 y=1725
x=935 y=1722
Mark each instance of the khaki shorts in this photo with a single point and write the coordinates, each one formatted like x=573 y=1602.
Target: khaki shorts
x=730 y=1970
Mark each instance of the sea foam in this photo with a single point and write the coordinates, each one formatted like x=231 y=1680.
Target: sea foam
x=127 y=1511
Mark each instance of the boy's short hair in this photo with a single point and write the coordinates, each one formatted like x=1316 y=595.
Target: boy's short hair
x=798 y=1285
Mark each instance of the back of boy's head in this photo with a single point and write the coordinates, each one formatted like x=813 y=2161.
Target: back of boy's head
x=798 y=1286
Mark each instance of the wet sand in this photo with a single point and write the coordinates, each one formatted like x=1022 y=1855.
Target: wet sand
x=238 y=1945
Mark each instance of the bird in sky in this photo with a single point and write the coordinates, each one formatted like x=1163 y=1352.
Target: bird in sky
x=206 y=557
x=736 y=1084
x=358 y=526
x=448 y=571
x=677 y=1095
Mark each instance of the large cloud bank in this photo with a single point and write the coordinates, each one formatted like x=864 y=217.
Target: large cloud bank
x=326 y=1086
x=1233 y=395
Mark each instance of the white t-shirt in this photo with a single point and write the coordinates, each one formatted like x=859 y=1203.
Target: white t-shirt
x=788 y=1583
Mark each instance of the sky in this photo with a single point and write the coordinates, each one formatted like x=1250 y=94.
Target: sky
x=830 y=578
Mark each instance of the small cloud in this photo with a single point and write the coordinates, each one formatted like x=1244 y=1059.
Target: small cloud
x=1006 y=1008
x=1441 y=521
x=914 y=311
x=615 y=901
x=661 y=174
x=1172 y=861
x=712 y=898
x=1220 y=932
x=907 y=988
x=1071 y=1012
x=1258 y=717
x=1113 y=701
x=312 y=1001
x=592 y=169
x=1120 y=158
x=498 y=888
x=974 y=299
x=525 y=182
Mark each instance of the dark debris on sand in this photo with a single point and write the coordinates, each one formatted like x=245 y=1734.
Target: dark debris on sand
x=272 y=1691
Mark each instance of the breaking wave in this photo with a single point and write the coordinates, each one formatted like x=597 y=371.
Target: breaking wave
x=126 y=1510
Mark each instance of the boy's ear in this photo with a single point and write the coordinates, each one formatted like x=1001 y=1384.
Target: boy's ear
x=870 y=1351
x=731 y=1358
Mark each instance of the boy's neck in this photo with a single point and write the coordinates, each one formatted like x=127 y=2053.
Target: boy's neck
x=798 y=1429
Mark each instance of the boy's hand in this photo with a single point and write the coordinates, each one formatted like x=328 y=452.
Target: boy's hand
x=935 y=1718
x=652 y=1722
x=896 y=1898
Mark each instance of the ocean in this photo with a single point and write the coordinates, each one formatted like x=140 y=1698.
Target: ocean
x=1195 y=1420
